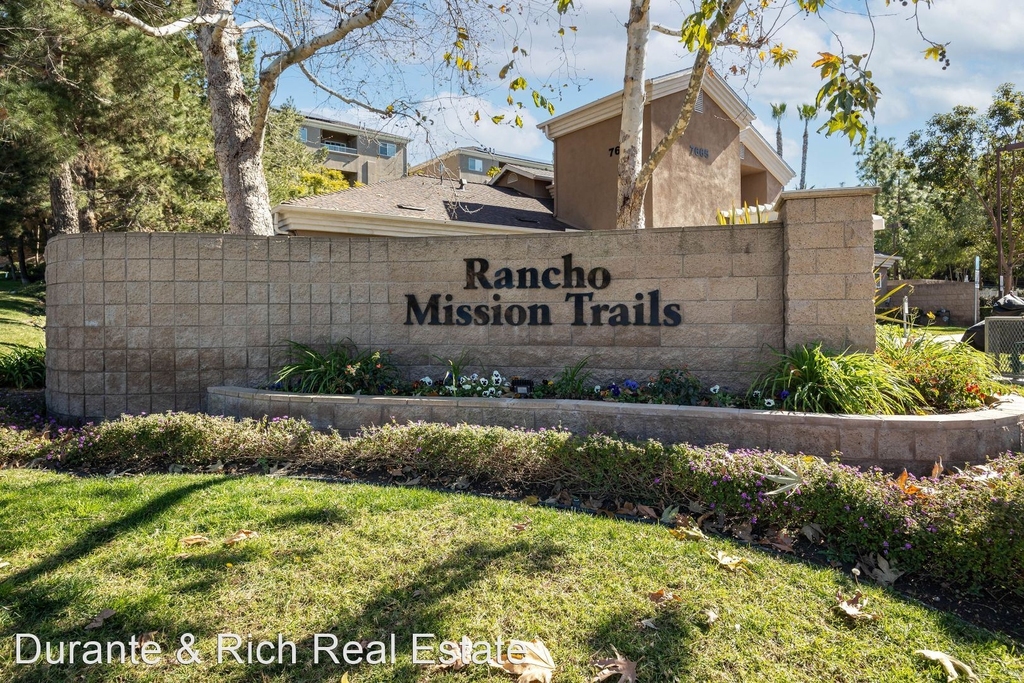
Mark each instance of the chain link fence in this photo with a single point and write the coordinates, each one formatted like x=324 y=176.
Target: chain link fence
x=1004 y=341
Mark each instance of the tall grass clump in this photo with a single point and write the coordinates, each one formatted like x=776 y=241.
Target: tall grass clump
x=812 y=379
x=23 y=367
x=950 y=377
x=342 y=369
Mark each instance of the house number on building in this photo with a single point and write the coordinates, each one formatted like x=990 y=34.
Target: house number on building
x=699 y=152
x=613 y=151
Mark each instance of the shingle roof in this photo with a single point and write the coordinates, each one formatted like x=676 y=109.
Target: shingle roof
x=441 y=200
x=531 y=173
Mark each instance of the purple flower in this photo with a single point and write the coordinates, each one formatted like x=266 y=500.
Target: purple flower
x=783 y=394
x=630 y=384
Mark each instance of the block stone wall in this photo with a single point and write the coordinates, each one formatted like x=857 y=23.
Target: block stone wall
x=147 y=322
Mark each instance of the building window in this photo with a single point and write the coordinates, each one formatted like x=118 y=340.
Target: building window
x=476 y=165
x=388 y=149
x=699 y=107
x=303 y=134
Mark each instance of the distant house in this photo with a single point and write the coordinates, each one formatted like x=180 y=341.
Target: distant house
x=474 y=164
x=361 y=154
x=720 y=162
x=418 y=206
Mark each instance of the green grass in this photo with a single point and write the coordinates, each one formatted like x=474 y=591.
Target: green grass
x=937 y=329
x=363 y=562
x=22 y=315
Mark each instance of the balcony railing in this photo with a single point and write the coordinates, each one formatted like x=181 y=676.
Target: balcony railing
x=340 y=148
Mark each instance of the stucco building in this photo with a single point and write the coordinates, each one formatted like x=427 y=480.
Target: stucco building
x=363 y=155
x=474 y=164
x=720 y=162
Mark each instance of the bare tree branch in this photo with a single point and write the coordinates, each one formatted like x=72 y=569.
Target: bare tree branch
x=347 y=100
x=122 y=17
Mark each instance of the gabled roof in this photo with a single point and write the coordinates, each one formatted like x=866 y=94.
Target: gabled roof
x=439 y=200
x=544 y=176
x=662 y=86
x=500 y=157
x=352 y=128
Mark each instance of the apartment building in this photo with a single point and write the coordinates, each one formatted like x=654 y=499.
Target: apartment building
x=362 y=154
x=475 y=164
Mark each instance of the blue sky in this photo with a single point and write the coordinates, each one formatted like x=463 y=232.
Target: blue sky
x=984 y=37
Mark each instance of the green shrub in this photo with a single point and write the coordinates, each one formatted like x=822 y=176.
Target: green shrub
x=678 y=387
x=813 y=380
x=23 y=367
x=343 y=369
x=950 y=377
x=965 y=529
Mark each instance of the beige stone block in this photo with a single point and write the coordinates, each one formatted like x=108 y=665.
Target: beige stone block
x=299 y=272
x=320 y=249
x=115 y=293
x=113 y=246
x=257 y=249
x=702 y=312
x=339 y=250
x=815 y=287
x=257 y=272
x=757 y=312
x=815 y=236
x=93 y=293
x=138 y=315
x=161 y=270
x=802 y=262
x=278 y=249
x=860 y=234
x=114 y=315
x=211 y=292
x=757 y=264
x=92 y=271
x=162 y=337
x=184 y=314
x=299 y=249
x=233 y=271
x=186 y=337
x=829 y=209
x=235 y=292
x=233 y=247
x=637 y=336
x=257 y=293
x=681 y=289
x=186 y=247
x=161 y=247
x=138 y=292
x=114 y=270
x=707 y=265
x=796 y=211
x=186 y=270
x=211 y=315
x=211 y=247
x=732 y=288
x=137 y=270
x=803 y=312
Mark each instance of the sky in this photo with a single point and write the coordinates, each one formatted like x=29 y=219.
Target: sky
x=983 y=37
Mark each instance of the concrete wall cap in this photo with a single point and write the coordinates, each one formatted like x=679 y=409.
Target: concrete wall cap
x=827 y=192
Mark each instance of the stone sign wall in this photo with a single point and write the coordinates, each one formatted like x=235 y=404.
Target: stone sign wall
x=147 y=322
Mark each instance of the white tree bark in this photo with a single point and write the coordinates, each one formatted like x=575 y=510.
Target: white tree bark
x=630 y=208
x=238 y=126
x=630 y=198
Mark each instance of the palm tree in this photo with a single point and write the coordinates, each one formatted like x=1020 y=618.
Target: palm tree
x=808 y=112
x=778 y=113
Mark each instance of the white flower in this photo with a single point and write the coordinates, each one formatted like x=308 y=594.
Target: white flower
x=463 y=379
x=769 y=403
x=496 y=376
x=489 y=392
x=597 y=389
x=467 y=387
x=757 y=394
x=426 y=380
x=474 y=376
x=715 y=389
x=484 y=382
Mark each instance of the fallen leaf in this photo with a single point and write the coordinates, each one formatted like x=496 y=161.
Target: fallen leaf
x=937 y=469
x=216 y=467
x=670 y=514
x=902 y=483
x=712 y=616
x=175 y=469
x=535 y=666
x=853 y=607
x=592 y=504
x=410 y=482
x=396 y=471
x=463 y=650
x=648 y=623
x=4 y=565
x=344 y=677
x=744 y=532
x=626 y=509
x=143 y=638
x=781 y=541
x=647 y=512
x=695 y=507
x=731 y=562
x=879 y=569
x=97 y=621
x=239 y=536
x=662 y=596
x=279 y=470
x=952 y=666
x=460 y=484
x=691 y=533
x=531 y=500
x=521 y=526
x=195 y=539
x=620 y=666
x=813 y=533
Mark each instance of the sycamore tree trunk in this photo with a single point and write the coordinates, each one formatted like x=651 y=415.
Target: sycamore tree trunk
x=237 y=145
x=630 y=214
x=62 y=201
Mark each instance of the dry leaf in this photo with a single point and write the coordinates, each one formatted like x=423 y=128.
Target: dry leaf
x=626 y=509
x=937 y=469
x=535 y=666
x=216 y=467
x=4 y=565
x=952 y=666
x=97 y=621
x=712 y=616
x=592 y=504
x=663 y=596
x=344 y=677
x=688 y=533
x=396 y=471
x=902 y=483
x=460 y=484
x=410 y=482
x=175 y=469
x=463 y=650
x=531 y=500
x=620 y=666
x=143 y=638
x=647 y=511
x=670 y=514
x=239 y=536
x=744 y=532
x=521 y=526
x=781 y=541
x=648 y=623
x=879 y=569
x=854 y=607
x=731 y=562
x=695 y=507
x=813 y=533
x=195 y=539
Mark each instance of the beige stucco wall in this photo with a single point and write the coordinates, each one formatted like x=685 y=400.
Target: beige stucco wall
x=368 y=166
x=146 y=322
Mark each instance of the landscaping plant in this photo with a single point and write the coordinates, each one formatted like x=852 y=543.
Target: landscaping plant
x=23 y=367
x=342 y=369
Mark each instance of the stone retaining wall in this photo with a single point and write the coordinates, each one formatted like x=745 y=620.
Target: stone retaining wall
x=891 y=442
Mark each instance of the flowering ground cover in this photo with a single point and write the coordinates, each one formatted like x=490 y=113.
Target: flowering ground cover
x=163 y=555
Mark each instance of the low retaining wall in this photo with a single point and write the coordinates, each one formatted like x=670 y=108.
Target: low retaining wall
x=890 y=442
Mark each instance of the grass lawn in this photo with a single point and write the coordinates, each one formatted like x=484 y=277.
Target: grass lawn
x=937 y=329
x=22 y=315
x=363 y=562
